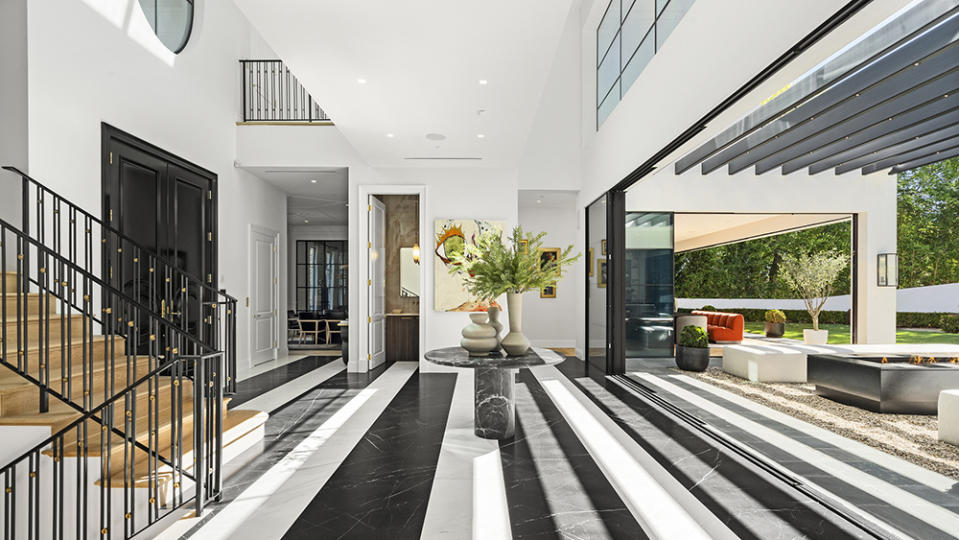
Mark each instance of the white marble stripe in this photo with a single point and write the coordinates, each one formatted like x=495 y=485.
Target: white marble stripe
x=268 y=507
x=661 y=505
x=918 y=507
x=281 y=395
x=462 y=502
x=860 y=450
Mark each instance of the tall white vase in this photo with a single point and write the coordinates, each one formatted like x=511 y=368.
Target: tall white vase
x=515 y=343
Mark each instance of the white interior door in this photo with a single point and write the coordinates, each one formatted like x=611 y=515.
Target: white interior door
x=263 y=281
x=377 y=283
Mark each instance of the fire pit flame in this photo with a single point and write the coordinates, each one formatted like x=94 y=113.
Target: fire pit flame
x=885 y=360
x=915 y=359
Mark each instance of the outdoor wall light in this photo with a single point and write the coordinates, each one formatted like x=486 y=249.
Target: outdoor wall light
x=888 y=270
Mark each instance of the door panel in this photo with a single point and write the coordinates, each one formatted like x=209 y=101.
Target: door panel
x=263 y=300
x=377 y=271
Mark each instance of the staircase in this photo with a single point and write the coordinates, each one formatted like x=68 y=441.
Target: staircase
x=115 y=367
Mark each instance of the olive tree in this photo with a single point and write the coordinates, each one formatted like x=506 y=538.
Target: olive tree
x=812 y=276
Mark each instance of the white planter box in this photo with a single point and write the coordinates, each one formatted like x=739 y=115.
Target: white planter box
x=815 y=337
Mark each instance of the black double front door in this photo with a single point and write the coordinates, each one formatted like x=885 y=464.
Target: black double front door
x=167 y=206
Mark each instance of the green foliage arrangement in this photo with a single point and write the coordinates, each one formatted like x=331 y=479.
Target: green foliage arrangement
x=812 y=277
x=775 y=316
x=949 y=323
x=694 y=336
x=491 y=268
x=708 y=307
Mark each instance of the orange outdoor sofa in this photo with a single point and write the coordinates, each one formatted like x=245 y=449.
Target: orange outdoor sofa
x=723 y=327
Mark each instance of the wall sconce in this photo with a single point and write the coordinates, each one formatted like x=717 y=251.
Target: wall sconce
x=887 y=273
x=416 y=253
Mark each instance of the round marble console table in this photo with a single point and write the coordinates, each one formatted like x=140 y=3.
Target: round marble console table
x=494 y=413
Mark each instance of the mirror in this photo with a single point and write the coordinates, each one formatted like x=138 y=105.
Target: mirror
x=409 y=274
x=171 y=20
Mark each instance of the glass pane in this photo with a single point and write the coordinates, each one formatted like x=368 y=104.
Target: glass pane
x=607 y=30
x=649 y=284
x=636 y=65
x=637 y=24
x=607 y=106
x=171 y=20
x=300 y=252
x=608 y=72
x=627 y=5
x=669 y=19
x=596 y=303
x=660 y=4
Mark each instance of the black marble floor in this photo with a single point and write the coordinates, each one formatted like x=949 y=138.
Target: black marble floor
x=252 y=387
x=382 y=483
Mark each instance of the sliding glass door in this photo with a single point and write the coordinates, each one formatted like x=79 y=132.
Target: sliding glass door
x=597 y=282
x=649 y=301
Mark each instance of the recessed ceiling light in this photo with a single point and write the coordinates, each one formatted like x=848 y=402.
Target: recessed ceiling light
x=435 y=136
x=480 y=136
x=483 y=81
x=312 y=181
x=539 y=201
x=361 y=81
x=390 y=135
x=306 y=221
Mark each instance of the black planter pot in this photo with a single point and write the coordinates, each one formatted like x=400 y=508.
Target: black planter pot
x=692 y=358
x=344 y=339
x=775 y=329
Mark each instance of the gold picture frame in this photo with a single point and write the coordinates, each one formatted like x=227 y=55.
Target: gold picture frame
x=547 y=255
x=601 y=270
x=604 y=248
x=590 y=262
x=524 y=246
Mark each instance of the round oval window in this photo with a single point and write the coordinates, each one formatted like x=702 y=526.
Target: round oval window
x=171 y=20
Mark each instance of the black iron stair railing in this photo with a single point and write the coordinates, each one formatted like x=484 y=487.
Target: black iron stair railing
x=271 y=93
x=129 y=423
x=139 y=272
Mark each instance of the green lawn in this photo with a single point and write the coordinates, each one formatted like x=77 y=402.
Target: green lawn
x=839 y=333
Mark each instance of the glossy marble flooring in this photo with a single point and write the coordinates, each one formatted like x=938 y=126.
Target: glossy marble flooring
x=392 y=454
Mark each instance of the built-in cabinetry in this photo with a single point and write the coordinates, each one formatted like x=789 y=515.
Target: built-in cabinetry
x=402 y=337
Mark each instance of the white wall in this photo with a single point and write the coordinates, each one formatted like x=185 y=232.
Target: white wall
x=97 y=61
x=307 y=232
x=555 y=322
x=13 y=106
x=450 y=193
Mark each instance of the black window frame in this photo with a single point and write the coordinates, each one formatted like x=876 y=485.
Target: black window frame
x=323 y=293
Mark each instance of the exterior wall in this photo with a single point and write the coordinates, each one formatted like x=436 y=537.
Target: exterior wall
x=555 y=322
x=98 y=61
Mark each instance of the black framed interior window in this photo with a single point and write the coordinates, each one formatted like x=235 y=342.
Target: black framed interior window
x=321 y=275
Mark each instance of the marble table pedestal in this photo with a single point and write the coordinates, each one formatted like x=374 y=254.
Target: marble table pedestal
x=494 y=413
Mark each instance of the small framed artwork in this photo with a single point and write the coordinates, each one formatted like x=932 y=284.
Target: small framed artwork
x=546 y=256
x=548 y=292
x=601 y=270
x=524 y=246
x=604 y=247
x=589 y=261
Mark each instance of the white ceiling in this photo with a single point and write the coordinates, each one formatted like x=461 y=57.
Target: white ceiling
x=559 y=199
x=319 y=203
x=422 y=62
x=695 y=231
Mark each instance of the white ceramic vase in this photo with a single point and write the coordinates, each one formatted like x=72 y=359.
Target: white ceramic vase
x=479 y=338
x=515 y=343
x=494 y=322
x=815 y=337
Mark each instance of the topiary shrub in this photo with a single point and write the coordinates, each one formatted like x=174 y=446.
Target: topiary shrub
x=707 y=307
x=775 y=316
x=949 y=323
x=694 y=336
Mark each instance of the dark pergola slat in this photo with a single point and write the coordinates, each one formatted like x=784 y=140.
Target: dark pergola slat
x=867 y=126
x=939 y=156
x=907 y=145
x=830 y=71
x=877 y=137
x=882 y=69
x=885 y=99
x=906 y=157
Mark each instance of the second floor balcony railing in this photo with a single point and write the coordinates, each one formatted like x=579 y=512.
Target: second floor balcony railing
x=272 y=94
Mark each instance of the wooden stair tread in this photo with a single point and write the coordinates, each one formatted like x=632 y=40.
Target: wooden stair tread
x=141 y=471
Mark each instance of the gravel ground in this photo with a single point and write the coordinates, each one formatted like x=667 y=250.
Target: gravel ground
x=912 y=437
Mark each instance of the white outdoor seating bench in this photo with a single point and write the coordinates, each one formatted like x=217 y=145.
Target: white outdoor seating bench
x=774 y=363
x=949 y=416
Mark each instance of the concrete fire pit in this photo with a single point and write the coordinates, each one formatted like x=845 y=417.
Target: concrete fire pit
x=896 y=385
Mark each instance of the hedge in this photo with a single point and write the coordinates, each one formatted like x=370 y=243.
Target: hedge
x=903 y=319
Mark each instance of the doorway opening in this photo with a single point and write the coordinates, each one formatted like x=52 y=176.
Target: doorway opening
x=395 y=276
